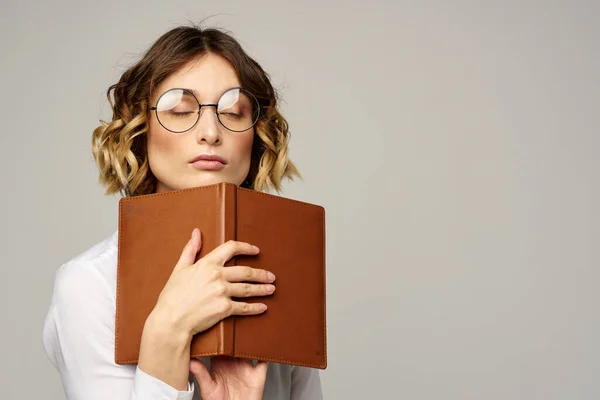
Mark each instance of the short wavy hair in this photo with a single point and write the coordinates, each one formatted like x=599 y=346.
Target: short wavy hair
x=119 y=146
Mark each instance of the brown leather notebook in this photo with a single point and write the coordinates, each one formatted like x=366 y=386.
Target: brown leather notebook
x=153 y=230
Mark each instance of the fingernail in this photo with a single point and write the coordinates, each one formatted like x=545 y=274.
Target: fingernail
x=271 y=276
x=255 y=247
x=194 y=234
x=270 y=288
x=262 y=307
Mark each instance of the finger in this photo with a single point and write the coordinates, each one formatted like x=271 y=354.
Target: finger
x=190 y=250
x=202 y=375
x=240 y=273
x=261 y=368
x=243 y=308
x=224 y=252
x=250 y=289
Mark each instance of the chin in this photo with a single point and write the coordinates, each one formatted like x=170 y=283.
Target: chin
x=210 y=180
x=203 y=179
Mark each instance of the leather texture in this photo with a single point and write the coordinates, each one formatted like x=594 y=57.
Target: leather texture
x=291 y=236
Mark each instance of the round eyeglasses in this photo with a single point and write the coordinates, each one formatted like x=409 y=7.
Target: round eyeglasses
x=178 y=110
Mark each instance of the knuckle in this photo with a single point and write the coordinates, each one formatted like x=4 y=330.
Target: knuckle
x=247 y=289
x=216 y=274
x=220 y=290
x=247 y=273
x=225 y=307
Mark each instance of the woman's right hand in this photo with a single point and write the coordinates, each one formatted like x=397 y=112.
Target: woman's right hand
x=198 y=294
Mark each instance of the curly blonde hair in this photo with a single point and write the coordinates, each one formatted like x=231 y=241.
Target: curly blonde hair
x=119 y=146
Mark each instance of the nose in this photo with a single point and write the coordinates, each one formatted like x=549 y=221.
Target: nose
x=207 y=128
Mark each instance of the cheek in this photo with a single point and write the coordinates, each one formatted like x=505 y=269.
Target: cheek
x=243 y=145
x=161 y=143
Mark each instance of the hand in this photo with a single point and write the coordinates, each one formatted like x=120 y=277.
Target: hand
x=198 y=294
x=230 y=378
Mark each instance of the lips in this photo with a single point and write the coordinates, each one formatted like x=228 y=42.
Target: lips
x=208 y=162
x=208 y=157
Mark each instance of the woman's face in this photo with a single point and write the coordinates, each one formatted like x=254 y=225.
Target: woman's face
x=171 y=155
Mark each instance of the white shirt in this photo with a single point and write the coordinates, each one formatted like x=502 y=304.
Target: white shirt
x=79 y=340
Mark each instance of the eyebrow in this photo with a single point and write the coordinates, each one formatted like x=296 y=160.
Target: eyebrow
x=198 y=94
x=191 y=90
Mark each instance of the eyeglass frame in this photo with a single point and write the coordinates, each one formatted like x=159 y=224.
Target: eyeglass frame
x=200 y=105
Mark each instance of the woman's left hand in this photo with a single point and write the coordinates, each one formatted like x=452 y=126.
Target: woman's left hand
x=230 y=378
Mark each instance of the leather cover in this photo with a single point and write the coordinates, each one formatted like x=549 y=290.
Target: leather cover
x=153 y=230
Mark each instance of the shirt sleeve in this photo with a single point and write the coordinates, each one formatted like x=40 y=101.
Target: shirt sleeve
x=78 y=338
x=306 y=384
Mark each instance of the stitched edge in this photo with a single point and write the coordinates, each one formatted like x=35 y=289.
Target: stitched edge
x=280 y=360
x=118 y=295
x=174 y=192
x=324 y=275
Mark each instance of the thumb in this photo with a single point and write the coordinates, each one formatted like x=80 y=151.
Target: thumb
x=190 y=250
x=202 y=375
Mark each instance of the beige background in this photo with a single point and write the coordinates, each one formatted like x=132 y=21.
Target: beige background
x=453 y=144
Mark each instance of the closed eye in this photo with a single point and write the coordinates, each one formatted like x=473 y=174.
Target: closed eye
x=229 y=114
x=181 y=113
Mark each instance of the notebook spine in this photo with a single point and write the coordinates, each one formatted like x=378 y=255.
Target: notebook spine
x=227 y=221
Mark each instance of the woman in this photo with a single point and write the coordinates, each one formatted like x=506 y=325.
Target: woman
x=195 y=110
